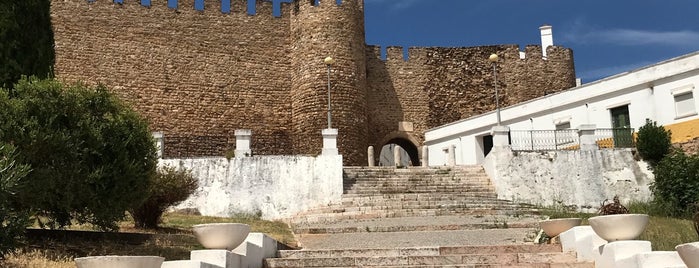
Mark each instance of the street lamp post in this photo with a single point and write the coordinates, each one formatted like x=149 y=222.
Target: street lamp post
x=494 y=59
x=329 y=61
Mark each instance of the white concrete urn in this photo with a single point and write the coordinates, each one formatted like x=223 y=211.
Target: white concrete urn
x=554 y=227
x=619 y=226
x=689 y=253
x=120 y=262
x=221 y=235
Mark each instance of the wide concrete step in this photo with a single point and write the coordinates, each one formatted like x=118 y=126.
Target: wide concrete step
x=490 y=259
x=421 y=196
x=413 y=189
x=421 y=251
x=374 y=214
x=407 y=224
x=471 y=176
x=417 y=207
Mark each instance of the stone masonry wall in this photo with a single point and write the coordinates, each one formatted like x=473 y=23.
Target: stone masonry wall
x=199 y=75
x=319 y=31
x=193 y=74
x=435 y=86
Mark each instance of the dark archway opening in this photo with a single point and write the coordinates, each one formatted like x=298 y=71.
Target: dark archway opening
x=386 y=153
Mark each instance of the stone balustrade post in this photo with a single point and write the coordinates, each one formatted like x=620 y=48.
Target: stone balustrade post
x=425 y=156
x=330 y=141
x=501 y=136
x=159 y=143
x=587 y=137
x=370 y=156
x=243 y=138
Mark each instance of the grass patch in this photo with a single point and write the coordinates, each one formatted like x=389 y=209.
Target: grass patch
x=173 y=241
x=666 y=233
x=275 y=229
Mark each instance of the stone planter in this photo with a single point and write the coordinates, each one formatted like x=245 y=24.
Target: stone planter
x=689 y=253
x=221 y=235
x=619 y=227
x=554 y=227
x=120 y=262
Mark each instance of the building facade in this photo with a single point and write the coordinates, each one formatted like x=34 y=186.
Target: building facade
x=198 y=70
x=662 y=92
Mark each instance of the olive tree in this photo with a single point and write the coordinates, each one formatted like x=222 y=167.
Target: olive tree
x=12 y=220
x=92 y=157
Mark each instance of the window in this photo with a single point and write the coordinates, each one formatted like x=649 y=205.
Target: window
x=684 y=104
x=563 y=125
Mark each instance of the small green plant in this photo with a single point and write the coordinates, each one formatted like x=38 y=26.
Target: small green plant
x=653 y=142
x=169 y=187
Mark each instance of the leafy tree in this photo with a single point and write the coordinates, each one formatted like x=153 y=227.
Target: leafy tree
x=27 y=40
x=12 y=221
x=92 y=157
x=653 y=142
x=170 y=187
x=676 y=186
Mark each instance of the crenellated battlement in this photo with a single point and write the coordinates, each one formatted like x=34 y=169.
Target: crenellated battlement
x=262 y=8
x=199 y=70
x=397 y=54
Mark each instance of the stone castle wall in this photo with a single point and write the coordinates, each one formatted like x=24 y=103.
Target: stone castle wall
x=195 y=75
x=199 y=75
x=436 y=86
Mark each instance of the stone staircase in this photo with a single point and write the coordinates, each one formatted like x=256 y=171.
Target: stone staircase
x=420 y=217
x=413 y=192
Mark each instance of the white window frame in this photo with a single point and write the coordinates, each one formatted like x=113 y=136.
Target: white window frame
x=682 y=92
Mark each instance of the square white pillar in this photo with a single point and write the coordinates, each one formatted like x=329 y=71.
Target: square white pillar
x=501 y=136
x=657 y=259
x=188 y=264
x=159 y=143
x=255 y=249
x=218 y=257
x=621 y=253
x=330 y=141
x=243 y=138
x=583 y=241
x=587 y=137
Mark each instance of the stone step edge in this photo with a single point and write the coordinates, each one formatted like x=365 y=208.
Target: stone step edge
x=436 y=250
x=414 y=228
x=496 y=258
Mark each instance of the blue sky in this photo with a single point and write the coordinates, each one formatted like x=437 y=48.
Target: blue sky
x=607 y=36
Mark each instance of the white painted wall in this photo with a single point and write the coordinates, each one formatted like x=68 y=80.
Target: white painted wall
x=275 y=186
x=581 y=178
x=647 y=91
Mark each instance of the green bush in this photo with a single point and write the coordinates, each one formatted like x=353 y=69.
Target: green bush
x=676 y=186
x=92 y=157
x=12 y=221
x=170 y=187
x=653 y=142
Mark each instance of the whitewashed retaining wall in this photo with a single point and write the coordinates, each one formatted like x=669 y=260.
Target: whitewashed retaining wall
x=274 y=186
x=580 y=178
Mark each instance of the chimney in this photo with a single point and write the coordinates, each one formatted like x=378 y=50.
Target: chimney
x=546 y=38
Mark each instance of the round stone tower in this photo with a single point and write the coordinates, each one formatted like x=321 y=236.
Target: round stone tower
x=321 y=29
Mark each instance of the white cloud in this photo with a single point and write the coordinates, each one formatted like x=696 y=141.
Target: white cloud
x=630 y=37
x=393 y=4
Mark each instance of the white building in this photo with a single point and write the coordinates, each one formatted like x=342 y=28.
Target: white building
x=663 y=92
